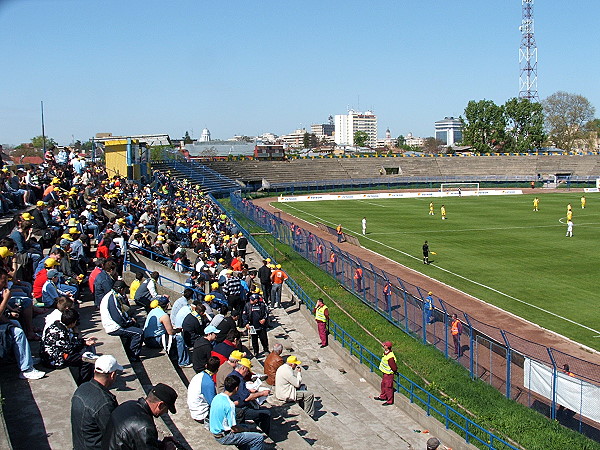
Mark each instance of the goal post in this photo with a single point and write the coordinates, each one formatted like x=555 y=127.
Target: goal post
x=460 y=187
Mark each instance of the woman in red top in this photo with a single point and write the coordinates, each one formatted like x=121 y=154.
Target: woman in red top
x=103 y=248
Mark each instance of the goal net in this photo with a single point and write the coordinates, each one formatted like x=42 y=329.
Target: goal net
x=460 y=188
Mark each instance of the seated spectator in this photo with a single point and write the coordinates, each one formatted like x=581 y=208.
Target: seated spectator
x=202 y=390
x=226 y=368
x=245 y=408
x=203 y=348
x=62 y=304
x=131 y=424
x=287 y=386
x=147 y=292
x=60 y=348
x=225 y=323
x=184 y=300
x=232 y=342
x=159 y=331
x=273 y=362
x=116 y=320
x=41 y=277
x=12 y=337
x=223 y=424
x=50 y=291
x=104 y=281
x=92 y=404
x=190 y=319
x=98 y=265
x=135 y=284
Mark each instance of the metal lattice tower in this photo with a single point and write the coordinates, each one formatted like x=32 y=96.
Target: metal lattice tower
x=528 y=55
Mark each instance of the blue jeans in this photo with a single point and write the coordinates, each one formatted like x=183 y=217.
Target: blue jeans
x=276 y=294
x=132 y=340
x=183 y=354
x=20 y=347
x=244 y=440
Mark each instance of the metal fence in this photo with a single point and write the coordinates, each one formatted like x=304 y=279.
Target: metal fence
x=495 y=356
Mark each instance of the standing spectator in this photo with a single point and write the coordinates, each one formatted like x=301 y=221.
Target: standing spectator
x=264 y=275
x=388 y=368
x=117 y=322
x=456 y=331
x=203 y=348
x=340 y=233
x=61 y=348
x=287 y=386
x=278 y=277
x=358 y=278
x=92 y=404
x=242 y=244
x=425 y=253
x=254 y=318
x=428 y=307
x=223 y=424
x=321 y=312
x=131 y=424
x=232 y=288
x=202 y=390
x=272 y=362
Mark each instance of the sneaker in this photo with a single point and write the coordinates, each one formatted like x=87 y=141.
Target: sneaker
x=32 y=374
x=89 y=357
x=187 y=366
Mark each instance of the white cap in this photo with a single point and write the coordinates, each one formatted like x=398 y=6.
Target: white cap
x=107 y=364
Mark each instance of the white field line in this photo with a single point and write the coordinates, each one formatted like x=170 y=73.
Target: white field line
x=458 y=276
x=371 y=203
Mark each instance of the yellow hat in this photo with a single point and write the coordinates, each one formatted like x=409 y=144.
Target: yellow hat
x=74 y=230
x=215 y=285
x=245 y=362
x=278 y=266
x=121 y=220
x=40 y=203
x=268 y=260
x=154 y=304
x=72 y=222
x=66 y=236
x=55 y=180
x=429 y=293
x=221 y=260
x=50 y=262
x=208 y=298
x=4 y=252
x=27 y=216
x=236 y=354
x=293 y=360
x=62 y=207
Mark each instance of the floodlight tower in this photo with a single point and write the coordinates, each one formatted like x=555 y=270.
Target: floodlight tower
x=528 y=55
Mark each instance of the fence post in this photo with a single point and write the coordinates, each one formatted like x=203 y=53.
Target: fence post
x=508 y=360
x=554 y=383
x=471 y=346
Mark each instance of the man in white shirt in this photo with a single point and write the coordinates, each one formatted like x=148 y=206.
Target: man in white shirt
x=202 y=390
x=288 y=379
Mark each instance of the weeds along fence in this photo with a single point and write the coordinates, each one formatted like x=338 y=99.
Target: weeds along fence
x=556 y=384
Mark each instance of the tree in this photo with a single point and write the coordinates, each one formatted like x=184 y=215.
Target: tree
x=306 y=140
x=432 y=145
x=26 y=151
x=187 y=139
x=525 y=125
x=361 y=138
x=566 y=116
x=484 y=126
x=400 y=141
x=38 y=142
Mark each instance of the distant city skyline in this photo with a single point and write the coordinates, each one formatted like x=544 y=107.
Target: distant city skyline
x=247 y=68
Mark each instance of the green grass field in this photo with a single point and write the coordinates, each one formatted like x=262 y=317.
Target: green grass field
x=492 y=247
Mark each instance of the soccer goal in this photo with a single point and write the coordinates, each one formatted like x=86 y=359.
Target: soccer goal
x=460 y=188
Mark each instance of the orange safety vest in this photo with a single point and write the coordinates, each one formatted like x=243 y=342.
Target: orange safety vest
x=332 y=258
x=454 y=329
x=358 y=274
x=319 y=249
x=387 y=289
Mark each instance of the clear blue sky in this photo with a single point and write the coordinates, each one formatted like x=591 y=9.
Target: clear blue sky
x=249 y=67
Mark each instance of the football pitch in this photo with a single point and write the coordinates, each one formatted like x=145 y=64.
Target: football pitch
x=495 y=248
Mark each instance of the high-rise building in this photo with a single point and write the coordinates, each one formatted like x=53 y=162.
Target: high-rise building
x=348 y=124
x=449 y=131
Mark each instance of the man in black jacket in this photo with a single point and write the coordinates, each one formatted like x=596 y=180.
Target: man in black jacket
x=93 y=403
x=264 y=275
x=203 y=348
x=255 y=318
x=131 y=424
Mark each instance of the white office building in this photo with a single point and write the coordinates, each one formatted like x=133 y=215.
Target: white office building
x=348 y=124
x=449 y=131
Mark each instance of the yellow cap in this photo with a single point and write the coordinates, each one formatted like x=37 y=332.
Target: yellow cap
x=4 y=252
x=27 y=216
x=73 y=230
x=293 y=360
x=50 y=262
x=236 y=354
x=246 y=363
x=215 y=285
x=40 y=203
x=154 y=304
